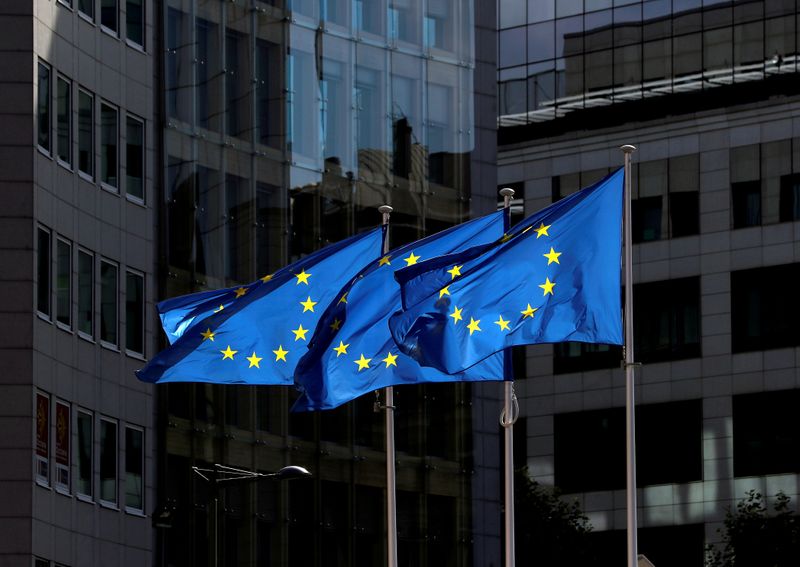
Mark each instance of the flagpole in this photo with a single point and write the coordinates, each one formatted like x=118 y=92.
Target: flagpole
x=507 y=419
x=630 y=421
x=391 y=493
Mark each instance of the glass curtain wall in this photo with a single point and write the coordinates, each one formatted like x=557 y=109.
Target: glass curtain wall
x=288 y=125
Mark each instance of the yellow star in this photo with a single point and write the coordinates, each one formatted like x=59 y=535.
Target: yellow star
x=228 y=353
x=343 y=299
x=454 y=272
x=266 y=278
x=300 y=333
x=308 y=305
x=542 y=230
x=444 y=291
x=411 y=260
x=254 y=360
x=362 y=362
x=240 y=292
x=207 y=334
x=456 y=315
x=385 y=261
x=280 y=354
x=552 y=256
x=529 y=311
x=302 y=277
x=341 y=349
x=390 y=360
x=473 y=326
x=336 y=324
x=503 y=324
x=547 y=286
x=221 y=307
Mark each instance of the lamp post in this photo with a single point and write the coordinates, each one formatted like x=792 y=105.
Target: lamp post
x=221 y=475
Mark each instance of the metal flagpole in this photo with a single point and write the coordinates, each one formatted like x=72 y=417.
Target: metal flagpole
x=630 y=421
x=391 y=494
x=507 y=419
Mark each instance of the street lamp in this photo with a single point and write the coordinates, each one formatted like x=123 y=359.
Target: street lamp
x=221 y=475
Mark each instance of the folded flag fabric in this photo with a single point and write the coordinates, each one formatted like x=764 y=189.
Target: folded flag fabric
x=256 y=334
x=352 y=352
x=555 y=278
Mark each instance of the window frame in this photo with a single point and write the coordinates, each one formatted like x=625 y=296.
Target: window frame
x=86 y=16
x=128 y=41
x=91 y=255
x=130 y=272
x=88 y=497
x=103 y=155
x=46 y=150
x=134 y=198
x=141 y=430
x=109 y=344
x=48 y=314
x=89 y=176
x=103 y=501
x=114 y=32
x=67 y=326
x=68 y=162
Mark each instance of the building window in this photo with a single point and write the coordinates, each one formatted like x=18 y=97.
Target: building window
x=134 y=312
x=134 y=20
x=85 y=293
x=790 y=198
x=746 y=203
x=42 y=438
x=64 y=282
x=766 y=433
x=86 y=133
x=108 y=461
x=765 y=308
x=108 y=303
x=667 y=320
x=134 y=468
x=134 y=173
x=64 y=120
x=108 y=146
x=684 y=195
x=579 y=357
x=41 y=562
x=646 y=221
x=43 y=273
x=43 y=108
x=63 y=437
x=86 y=7
x=109 y=15
x=83 y=456
x=669 y=450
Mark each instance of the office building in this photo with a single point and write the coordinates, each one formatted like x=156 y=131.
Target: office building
x=708 y=92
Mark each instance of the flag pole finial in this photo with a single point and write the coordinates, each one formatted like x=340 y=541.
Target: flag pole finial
x=627 y=149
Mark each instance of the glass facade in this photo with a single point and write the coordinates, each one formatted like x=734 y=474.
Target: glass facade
x=287 y=126
x=557 y=57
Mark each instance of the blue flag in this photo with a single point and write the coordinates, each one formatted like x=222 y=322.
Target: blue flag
x=256 y=334
x=353 y=353
x=555 y=278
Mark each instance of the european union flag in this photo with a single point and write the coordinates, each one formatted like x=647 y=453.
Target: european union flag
x=555 y=278
x=352 y=351
x=256 y=334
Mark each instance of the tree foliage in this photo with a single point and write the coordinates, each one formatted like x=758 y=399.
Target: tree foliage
x=754 y=537
x=549 y=532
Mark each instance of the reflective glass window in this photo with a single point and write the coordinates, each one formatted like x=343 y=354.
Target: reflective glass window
x=64 y=120
x=109 y=131
x=83 y=454
x=627 y=25
x=178 y=66
x=43 y=108
x=717 y=50
x=108 y=302
x=134 y=21
x=512 y=47
x=269 y=95
x=108 y=461
x=237 y=78
x=43 y=272
x=64 y=282
x=667 y=325
x=512 y=13
x=628 y=67
x=541 y=41
x=539 y=10
x=569 y=36
x=541 y=86
x=134 y=468
x=568 y=8
x=687 y=54
x=790 y=198
x=780 y=39
x=512 y=97
x=85 y=293
x=134 y=169
x=86 y=133
x=657 y=60
x=87 y=7
x=766 y=433
x=599 y=30
x=599 y=70
x=134 y=312
x=748 y=43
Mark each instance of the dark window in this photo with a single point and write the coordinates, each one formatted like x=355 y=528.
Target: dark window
x=134 y=19
x=134 y=468
x=766 y=433
x=86 y=133
x=668 y=446
x=108 y=145
x=64 y=120
x=790 y=198
x=765 y=308
x=646 y=212
x=87 y=8
x=108 y=461
x=108 y=15
x=83 y=454
x=134 y=172
x=108 y=303
x=684 y=213
x=63 y=282
x=85 y=293
x=657 y=544
x=134 y=312
x=578 y=357
x=520 y=448
x=43 y=108
x=746 y=203
x=43 y=273
x=667 y=320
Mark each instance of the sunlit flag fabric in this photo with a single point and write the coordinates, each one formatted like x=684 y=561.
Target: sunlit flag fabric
x=352 y=352
x=258 y=332
x=555 y=278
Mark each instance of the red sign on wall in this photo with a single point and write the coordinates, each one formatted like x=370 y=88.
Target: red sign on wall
x=62 y=434
x=42 y=425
